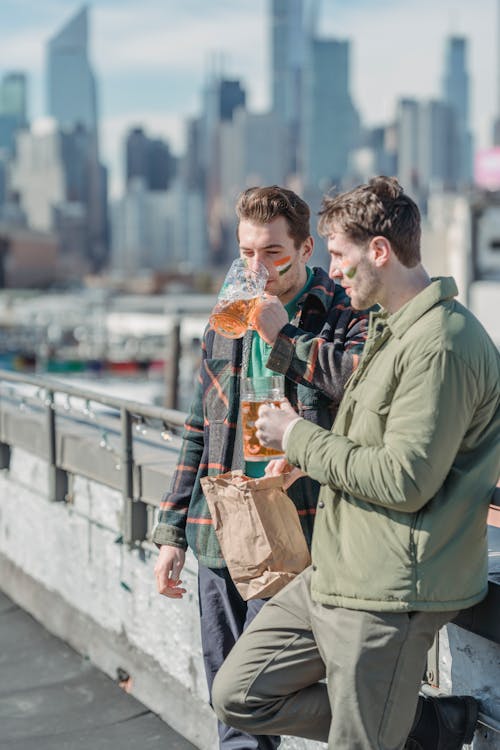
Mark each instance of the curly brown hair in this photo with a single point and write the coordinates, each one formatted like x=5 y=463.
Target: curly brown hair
x=379 y=208
x=263 y=204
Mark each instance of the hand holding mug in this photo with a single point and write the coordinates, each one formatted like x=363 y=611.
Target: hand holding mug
x=242 y=288
x=272 y=422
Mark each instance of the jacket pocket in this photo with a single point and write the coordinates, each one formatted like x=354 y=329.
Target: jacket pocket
x=370 y=408
x=373 y=397
x=218 y=383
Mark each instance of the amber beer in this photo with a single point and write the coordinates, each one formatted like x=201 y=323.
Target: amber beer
x=242 y=287
x=233 y=318
x=254 y=392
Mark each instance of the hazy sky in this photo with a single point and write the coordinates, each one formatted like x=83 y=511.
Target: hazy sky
x=151 y=56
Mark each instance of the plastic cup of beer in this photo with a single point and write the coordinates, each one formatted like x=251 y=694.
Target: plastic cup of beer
x=254 y=392
x=242 y=287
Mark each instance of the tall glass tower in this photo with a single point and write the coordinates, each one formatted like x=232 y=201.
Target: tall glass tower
x=71 y=84
x=13 y=115
x=13 y=96
x=456 y=96
x=72 y=104
x=330 y=121
x=288 y=49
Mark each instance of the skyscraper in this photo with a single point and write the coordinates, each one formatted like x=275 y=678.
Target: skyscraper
x=71 y=83
x=72 y=103
x=288 y=49
x=496 y=122
x=456 y=96
x=407 y=123
x=437 y=153
x=150 y=159
x=13 y=110
x=330 y=121
x=13 y=96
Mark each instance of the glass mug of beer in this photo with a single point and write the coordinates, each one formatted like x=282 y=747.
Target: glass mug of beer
x=242 y=287
x=254 y=392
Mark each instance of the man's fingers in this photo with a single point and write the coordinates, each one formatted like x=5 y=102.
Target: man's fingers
x=171 y=589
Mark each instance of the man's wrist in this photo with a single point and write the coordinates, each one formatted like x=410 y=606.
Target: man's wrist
x=288 y=429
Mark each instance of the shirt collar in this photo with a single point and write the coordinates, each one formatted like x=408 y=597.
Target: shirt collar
x=440 y=289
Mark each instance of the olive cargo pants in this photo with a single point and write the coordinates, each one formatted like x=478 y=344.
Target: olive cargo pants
x=271 y=682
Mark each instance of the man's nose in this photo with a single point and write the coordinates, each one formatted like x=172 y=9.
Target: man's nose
x=335 y=272
x=254 y=264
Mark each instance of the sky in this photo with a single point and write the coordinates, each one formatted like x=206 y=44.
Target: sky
x=151 y=57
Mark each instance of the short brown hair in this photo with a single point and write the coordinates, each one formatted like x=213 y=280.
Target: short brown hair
x=379 y=208
x=263 y=204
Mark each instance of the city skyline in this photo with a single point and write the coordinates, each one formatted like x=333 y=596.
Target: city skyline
x=139 y=50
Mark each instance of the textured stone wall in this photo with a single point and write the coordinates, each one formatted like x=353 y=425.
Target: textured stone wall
x=87 y=587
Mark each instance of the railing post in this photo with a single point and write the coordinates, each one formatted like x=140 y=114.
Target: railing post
x=4 y=456
x=58 y=478
x=135 y=513
x=172 y=365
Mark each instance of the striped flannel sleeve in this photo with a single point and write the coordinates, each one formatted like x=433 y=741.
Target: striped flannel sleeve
x=324 y=361
x=172 y=516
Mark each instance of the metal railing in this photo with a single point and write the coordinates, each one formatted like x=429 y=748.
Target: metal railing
x=46 y=403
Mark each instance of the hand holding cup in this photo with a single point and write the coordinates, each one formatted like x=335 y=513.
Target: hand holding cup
x=242 y=288
x=272 y=422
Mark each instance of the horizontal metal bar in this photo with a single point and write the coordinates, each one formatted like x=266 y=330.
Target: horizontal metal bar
x=169 y=416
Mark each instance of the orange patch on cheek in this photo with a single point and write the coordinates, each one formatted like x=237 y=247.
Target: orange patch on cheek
x=283 y=264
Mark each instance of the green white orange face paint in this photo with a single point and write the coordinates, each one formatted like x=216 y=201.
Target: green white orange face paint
x=349 y=271
x=283 y=264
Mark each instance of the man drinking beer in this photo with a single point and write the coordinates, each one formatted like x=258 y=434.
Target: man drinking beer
x=305 y=329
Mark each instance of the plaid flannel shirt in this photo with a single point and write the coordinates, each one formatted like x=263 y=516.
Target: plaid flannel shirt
x=317 y=352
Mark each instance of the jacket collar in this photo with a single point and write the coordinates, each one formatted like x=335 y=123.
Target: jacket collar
x=322 y=288
x=439 y=290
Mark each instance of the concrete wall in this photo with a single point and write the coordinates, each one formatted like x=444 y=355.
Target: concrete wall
x=65 y=564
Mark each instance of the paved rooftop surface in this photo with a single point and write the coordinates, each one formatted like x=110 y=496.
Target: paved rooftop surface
x=51 y=698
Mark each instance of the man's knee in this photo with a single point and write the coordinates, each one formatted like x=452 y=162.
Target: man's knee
x=228 y=701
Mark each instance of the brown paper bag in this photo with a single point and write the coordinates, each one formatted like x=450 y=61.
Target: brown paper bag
x=259 y=532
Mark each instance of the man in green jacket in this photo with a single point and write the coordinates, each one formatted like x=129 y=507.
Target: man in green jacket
x=407 y=473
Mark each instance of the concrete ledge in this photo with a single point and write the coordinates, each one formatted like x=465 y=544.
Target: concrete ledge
x=484 y=618
x=162 y=693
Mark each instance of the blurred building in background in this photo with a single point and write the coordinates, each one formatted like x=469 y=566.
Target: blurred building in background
x=72 y=103
x=51 y=177
x=176 y=212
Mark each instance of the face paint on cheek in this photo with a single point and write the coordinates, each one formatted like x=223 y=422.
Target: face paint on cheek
x=283 y=264
x=350 y=271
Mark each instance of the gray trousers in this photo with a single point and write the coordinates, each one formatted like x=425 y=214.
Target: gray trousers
x=272 y=681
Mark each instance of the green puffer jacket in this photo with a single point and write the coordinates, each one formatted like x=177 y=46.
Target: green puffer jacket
x=410 y=464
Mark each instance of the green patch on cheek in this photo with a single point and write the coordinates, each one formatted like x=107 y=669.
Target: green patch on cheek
x=285 y=269
x=350 y=272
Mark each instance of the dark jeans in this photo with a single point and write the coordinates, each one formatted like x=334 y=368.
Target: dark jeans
x=224 y=615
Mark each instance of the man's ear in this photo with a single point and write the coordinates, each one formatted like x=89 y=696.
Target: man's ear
x=380 y=250
x=307 y=248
